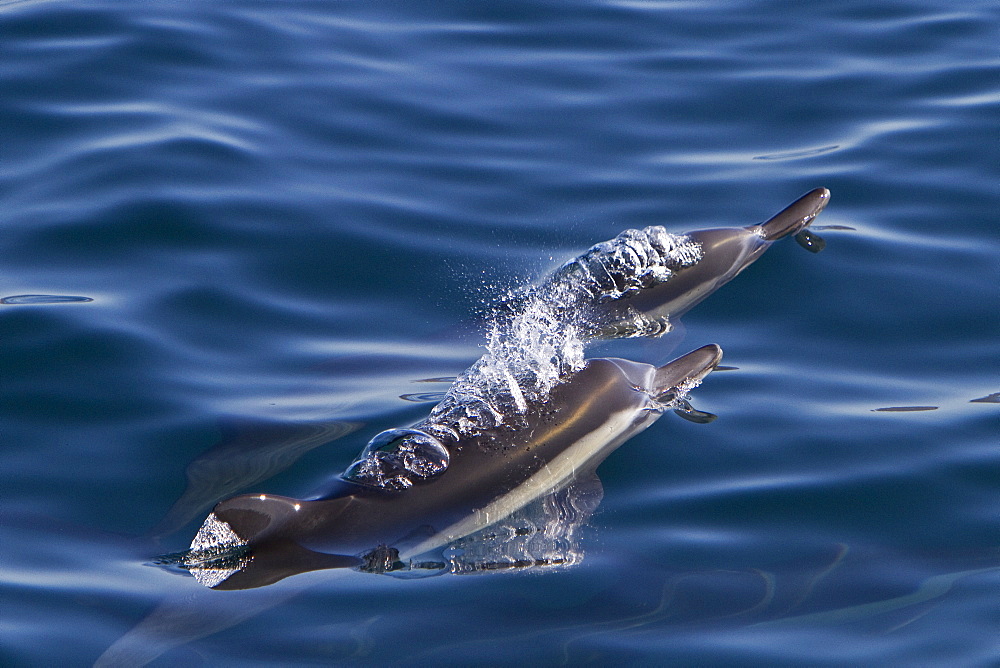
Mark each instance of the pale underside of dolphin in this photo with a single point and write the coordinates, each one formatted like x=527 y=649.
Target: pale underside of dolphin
x=416 y=490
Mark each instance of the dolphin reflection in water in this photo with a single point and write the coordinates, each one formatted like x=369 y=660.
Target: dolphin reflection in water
x=519 y=434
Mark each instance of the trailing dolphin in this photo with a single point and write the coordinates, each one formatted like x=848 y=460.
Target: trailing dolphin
x=408 y=494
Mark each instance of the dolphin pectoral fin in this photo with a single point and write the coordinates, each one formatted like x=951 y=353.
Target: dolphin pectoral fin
x=794 y=217
x=675 y=378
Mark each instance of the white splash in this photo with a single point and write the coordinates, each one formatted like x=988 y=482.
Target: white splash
x=537 y=338
x=215 y=553
x=215 y=536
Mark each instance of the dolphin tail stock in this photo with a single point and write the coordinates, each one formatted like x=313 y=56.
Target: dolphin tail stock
x=674 y=379
x=795 y=217
x=241 y=545
x=276 y=561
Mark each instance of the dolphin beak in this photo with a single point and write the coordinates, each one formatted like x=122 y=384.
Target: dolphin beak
x=794 y=217
x=686 y=371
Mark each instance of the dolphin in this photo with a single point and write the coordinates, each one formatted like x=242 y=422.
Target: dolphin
x=450 y=492
x=724 y=253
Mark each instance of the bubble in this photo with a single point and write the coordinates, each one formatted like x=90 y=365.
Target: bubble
x=382 y=559
x=215 y=536
x=621 y=267
x=398 y=458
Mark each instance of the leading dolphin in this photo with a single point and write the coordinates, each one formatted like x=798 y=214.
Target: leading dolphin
x=442 y=494
x=725 y=253
x=642 y=278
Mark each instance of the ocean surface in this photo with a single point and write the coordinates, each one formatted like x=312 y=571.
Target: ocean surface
x=236 y=237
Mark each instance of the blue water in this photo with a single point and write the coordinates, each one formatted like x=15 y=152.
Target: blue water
x=283 y=214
